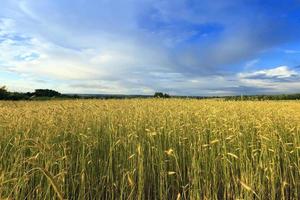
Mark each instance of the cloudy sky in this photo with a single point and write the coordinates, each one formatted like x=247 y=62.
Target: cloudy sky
x=191 y=47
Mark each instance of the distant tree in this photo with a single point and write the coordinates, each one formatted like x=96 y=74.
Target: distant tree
x=158 y=95
x=3 y=89
x=3 y=93
x=161 y=95
x=18 y=96
x=46 y=93
x=166 y=95
x=39 y=93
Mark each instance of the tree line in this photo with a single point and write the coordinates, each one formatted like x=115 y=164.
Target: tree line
x=37 y=94
x=264 y=97
x=45 y=94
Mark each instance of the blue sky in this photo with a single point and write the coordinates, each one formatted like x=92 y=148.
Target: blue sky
x=192 y=47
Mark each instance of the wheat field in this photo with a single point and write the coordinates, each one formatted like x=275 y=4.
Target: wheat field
x=149 y=149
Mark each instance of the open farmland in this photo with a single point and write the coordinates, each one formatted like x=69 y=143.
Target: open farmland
x=150 y=149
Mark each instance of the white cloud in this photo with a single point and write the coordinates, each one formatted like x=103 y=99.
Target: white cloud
x=251 y=63
x=278 y=72
x=280 y=79
x=114 y=64
x=6 y=26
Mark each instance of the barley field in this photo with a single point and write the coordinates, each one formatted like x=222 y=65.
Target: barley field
x=150 y=149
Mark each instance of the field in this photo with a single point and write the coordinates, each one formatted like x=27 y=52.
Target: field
x=150 y=149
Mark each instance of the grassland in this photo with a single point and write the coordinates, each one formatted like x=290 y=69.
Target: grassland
x=150 y=149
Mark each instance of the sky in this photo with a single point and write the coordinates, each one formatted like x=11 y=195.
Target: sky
x=191 y=47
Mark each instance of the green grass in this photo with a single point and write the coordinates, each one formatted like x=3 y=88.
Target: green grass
x=149 y=149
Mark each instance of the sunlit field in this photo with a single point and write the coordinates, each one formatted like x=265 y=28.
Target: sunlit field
x=150 y=149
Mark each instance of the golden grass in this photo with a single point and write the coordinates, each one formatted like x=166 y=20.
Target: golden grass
x=150 y=149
